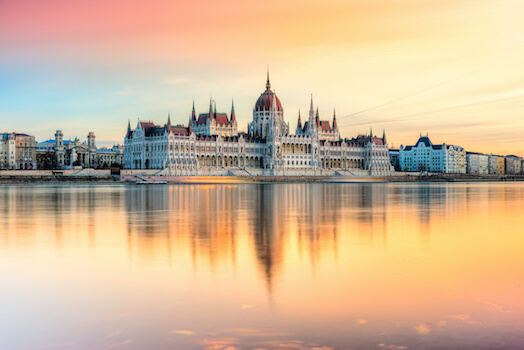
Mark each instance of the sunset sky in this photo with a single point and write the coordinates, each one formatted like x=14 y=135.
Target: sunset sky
x=453 y=69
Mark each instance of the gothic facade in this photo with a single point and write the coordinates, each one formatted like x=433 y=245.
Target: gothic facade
x=212 y=143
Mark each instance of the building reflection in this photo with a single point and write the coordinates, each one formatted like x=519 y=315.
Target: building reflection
x=197 y=217
x=209 y=220
x=217 y=225
x=60 y=215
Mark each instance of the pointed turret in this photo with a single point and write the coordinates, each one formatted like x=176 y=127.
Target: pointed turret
x=299 y=123
x=371 y=134
x=233 y=116
x=317 y=117
x=168 y=119
x=334 y=120
x=384 y=136
x=211 y=108
x=129 y=125
x=193 y=114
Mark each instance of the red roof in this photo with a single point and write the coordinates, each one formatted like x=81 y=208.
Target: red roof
x=325 y=125
x=266 y=101
x=179 y=130
x=362 y=140
x=221 y=118
x=202 y=118
x=146 y=125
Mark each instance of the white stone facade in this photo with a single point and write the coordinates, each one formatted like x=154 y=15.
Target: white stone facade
x=267 y=146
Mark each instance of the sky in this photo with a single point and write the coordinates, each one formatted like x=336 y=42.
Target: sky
x=449 y=68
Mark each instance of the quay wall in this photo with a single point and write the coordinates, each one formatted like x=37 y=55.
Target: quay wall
x=66 y=172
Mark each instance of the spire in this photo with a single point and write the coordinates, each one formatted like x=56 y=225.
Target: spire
x=334 y=120
x=129 y=125
x=168 y=119
x=215 y=111
x=268 y=84
x=371 y=134
x=299 y=124
x=384 y=136
x=311 y=110
x=233 y=117
x=317 y=117
x=210 y=108
x=193 y=114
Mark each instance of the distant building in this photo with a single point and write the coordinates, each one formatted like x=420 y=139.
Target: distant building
x=7 y=151
x=212 y=142
x=70 y=153
x=394 y=155
x=17 y=151
x=477 y=163
x=513 y=165
x=425 y=156
x=496 y=165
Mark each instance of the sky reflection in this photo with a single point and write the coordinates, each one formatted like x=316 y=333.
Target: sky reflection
x=247 y=266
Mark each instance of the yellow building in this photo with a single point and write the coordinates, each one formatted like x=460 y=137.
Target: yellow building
x=496 y=165
x=500 y=166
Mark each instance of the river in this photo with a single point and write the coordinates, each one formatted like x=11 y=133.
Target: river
x=263 y=266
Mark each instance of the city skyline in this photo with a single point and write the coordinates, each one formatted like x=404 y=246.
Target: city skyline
x=447 y=68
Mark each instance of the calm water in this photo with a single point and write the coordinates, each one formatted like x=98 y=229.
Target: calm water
x=244 y=266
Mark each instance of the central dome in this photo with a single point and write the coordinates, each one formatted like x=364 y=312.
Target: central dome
x=268 y=99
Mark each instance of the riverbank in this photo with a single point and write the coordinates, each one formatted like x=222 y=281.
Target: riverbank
x=326 y=179
x=60 y=180
x=456 y=178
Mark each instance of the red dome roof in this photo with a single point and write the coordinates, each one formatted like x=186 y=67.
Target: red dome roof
x=266 y=101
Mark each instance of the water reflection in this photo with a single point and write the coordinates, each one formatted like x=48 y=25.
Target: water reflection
x=209 y=219
x=268 y=266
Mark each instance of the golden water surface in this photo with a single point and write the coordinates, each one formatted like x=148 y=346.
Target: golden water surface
x=263 y=266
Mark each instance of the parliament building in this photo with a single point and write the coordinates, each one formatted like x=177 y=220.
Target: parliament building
x=212 y=145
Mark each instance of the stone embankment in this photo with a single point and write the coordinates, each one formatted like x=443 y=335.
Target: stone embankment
x=92 y=177
x=57 y=180
x=455 y=178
